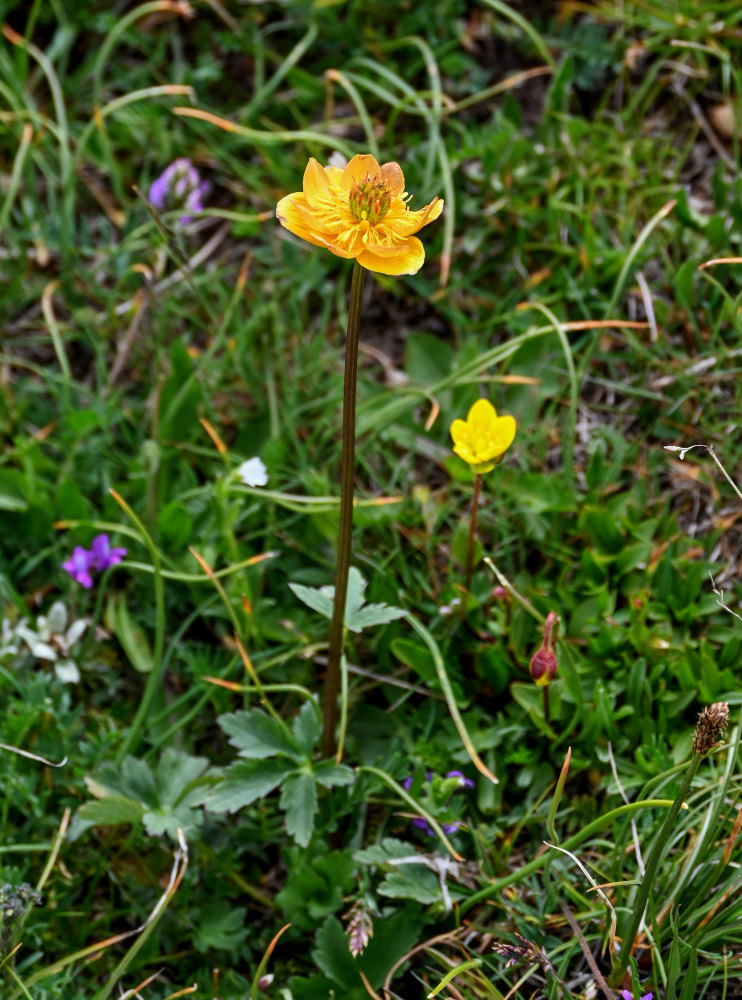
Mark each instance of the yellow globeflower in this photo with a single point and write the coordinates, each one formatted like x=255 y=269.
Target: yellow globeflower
x=359 y=213
x=483 y=436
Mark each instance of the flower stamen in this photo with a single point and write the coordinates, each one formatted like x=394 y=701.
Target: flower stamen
x=369 y=200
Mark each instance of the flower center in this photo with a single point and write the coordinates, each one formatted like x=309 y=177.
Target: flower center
x=369 y=200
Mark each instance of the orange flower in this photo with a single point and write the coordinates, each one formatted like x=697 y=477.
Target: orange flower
x=359 y=213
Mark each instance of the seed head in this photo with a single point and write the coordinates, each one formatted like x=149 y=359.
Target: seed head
x=712 y=722
x=360 y=927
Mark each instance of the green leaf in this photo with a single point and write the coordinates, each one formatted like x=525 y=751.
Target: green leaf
x=414 y=654
x=428 y=359
x=175 y=772
x=319 y=599
x=379 y=854
x=306 y=728
x=111 y=811
x=246 y=781
x=299 y=800
x=168 y=821
x=317 y=881
x=256 y=734
x=174 y=525
x=220 y=928
x=132 y=637
x=602 y=530
x=12 y=496
x=357 y=615
x=333 y=956
x=373 y=614
x=133 y=779
x=330 y=775
x=412 y=882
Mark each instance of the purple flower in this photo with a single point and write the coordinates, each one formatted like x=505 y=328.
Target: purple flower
x=179 y=186
x=103 y=555
x=79 y=566
x=448 y=828
x=464 y=782
x=99 y=557
x=627 y=996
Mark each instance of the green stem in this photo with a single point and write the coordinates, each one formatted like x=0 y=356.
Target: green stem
x=472 y=530
x=337 y=630
x=621 y=961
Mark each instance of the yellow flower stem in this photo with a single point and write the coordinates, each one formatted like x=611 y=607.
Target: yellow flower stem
x=473 y=530
x=347 y=468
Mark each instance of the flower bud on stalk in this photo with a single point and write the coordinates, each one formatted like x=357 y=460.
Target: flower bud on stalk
x=544 y=661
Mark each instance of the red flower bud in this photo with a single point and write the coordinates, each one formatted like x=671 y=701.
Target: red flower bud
x=544 y=661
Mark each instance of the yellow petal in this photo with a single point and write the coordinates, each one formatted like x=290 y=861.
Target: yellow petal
x=316 y=183
x=459 y=431
x=408 y=262
x=481 y=416
x=405 y=222
x=393 y=178
x=362 y=165
x=294 y=218
x=504 y=433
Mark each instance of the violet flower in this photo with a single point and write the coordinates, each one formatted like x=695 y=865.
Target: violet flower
x=179 y=186
x=447 y=828
x=99 y=557
x=627 y=996
x=79 y=565
x=103 y=555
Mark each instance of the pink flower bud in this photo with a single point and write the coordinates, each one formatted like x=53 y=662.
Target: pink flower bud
x=544 y=661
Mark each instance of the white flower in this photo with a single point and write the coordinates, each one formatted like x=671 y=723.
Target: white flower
x=52 y=640
x=253 y=472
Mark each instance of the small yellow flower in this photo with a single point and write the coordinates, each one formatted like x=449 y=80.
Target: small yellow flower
x=359 y=213
x=483 y=436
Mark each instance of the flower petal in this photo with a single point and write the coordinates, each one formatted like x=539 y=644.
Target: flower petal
x=460 y=431
x=481 y=416
x=503 y=433
x=316 y=183
x=408 y=262
x=405 y=222
x=362 y=165
x=393 y=178
x=292 y=214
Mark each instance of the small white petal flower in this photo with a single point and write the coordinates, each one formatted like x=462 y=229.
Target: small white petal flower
x=253 y=472
x=67 y=671
x=75 y=631
x=57 y=619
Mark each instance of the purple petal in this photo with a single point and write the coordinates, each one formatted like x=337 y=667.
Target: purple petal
x=464 y=782
x=406 y=783
x=100 y=548
x=79 y=565
x=450 y=827
x=157 y=192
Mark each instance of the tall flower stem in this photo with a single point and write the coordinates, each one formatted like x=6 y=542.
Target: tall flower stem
x=621 y=961
x=473 y=530
x=347 y=468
